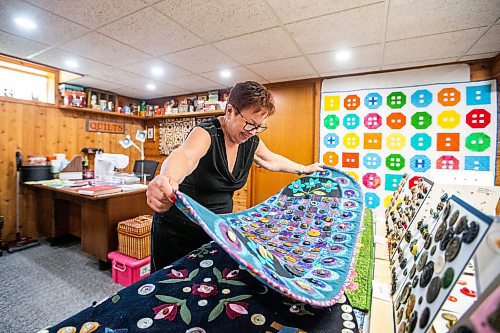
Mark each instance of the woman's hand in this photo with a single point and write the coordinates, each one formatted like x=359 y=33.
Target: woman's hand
x=313 y=168
x=160 y=193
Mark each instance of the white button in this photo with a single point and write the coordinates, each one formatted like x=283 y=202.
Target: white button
x=349 y=324
x=342 y=299
x=202 y=302
x=206 y=263
x=186 y=289
x=145 y=323
x=258 y=319
x=347 y=316
x=207 y=279
x=196 y=330
x=346 y=330
x=146 y=289
x=346 y=308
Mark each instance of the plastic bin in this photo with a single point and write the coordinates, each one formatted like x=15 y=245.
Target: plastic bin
x=126 y=270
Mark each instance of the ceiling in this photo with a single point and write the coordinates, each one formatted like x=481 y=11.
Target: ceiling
x=116 y=43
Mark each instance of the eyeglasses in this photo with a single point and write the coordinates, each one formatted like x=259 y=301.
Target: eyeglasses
x=249 y=126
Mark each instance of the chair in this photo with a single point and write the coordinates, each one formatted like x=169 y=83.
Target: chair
x=145 y=167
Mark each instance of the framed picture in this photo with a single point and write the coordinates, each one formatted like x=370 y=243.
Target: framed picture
x=150 y=133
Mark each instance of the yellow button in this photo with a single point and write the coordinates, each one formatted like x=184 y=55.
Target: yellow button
x=313 y=233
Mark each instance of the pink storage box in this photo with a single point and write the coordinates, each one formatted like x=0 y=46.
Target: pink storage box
x=127 y=270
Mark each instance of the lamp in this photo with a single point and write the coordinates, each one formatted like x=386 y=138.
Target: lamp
x=140 y=136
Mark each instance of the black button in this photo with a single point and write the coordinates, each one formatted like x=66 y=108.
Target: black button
x=461 y=225
x=426 y=274
x=422 y=260
x=424 y=318
x=453 y=218
x=453 y=249
x=433 y=290
x=448 y=276
x=470 y=233
x=440 y=232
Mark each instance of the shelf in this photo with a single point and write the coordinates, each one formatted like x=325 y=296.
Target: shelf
x=167 y=116
x=187 y=115
x=99 y=112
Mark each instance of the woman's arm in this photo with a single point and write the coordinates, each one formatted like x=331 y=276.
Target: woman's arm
x=180 y=163
x=274 y=162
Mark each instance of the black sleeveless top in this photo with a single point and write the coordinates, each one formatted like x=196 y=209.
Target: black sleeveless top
x=211 y=183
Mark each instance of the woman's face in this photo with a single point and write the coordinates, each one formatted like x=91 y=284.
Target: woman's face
x=245 y=123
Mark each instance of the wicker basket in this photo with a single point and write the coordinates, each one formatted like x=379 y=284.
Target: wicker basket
x=134 y=236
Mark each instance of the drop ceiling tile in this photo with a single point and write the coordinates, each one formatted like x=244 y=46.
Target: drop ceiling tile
x=267 y=45
x=351 y=71
x=89 y=81
x=18 y=46
x=424 y=17
x=57 y=58
x=360 y=26
x=196 y=83
x=90 y=13
x=144 y=68
x=201 y=59
x=114 y=74
x=285 y=69
x=421 y=63
x=152 y=32
x=431 y=47
x=162 y=89
x=216 y=20
x=489 y=42
x=361 y=57
x=131 y=92
x=291 y=11
x=104 y=49
x=51 y=29
x=488 y=55
x=238 y=74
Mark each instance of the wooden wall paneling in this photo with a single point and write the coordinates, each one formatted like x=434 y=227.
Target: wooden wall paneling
x=39 y=128
x=290 y=133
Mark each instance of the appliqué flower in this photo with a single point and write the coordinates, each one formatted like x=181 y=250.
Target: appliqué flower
x=236 y=309
x=231 y=274
x=329 y=186
x=204 y=290
x=166 y=311
x=296 y=186
x=180 y=274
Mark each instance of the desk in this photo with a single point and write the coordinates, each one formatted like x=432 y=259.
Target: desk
x=94 y=219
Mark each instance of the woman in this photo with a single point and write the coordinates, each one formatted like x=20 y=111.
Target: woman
x=209 y=166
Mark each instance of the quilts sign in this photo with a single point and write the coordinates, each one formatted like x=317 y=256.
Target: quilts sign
x=105 y=126
x=377 y=135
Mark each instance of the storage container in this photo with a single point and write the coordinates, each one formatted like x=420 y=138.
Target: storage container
x=126 y=270
x=134 y=236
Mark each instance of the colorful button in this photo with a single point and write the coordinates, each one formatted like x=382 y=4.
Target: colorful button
x=331 y=122
x=331 y=140
x=421 y=98
x=395 y=162
x=396 y=120
x=421 y=141
x=477 y=142
x=478 y=118
x=351 y=121
x=477 y=95
x=448 y=119
x=373 y=101
x=396 y=100
x=421 y=120
x=449 y=96
x=351 y=102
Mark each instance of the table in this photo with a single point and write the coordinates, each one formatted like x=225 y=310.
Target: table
x=62 y=211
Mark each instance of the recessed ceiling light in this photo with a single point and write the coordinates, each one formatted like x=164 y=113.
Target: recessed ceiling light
x=157 y=71
x=71 y=63
x=343 y=55
x=151 y=86
x=225 y=73
x=25 y=23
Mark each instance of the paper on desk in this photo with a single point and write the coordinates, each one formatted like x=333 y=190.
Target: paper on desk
x=381 y=290
x=132 y=187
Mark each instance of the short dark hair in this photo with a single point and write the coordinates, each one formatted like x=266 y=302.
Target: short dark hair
x=251 y=94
